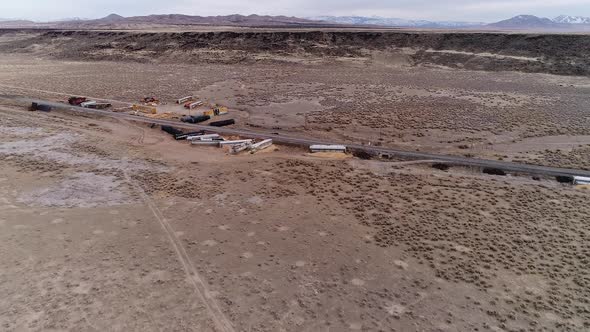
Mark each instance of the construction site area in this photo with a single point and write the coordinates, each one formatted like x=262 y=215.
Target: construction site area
x=228 y=189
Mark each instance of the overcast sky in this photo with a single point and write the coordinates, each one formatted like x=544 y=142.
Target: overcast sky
x=461 y=10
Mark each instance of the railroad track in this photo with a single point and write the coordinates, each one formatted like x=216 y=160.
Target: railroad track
x=301 y=141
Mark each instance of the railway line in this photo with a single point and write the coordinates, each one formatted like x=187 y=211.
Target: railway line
x=301 y=141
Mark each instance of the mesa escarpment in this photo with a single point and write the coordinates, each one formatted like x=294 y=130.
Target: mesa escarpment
x=559 y=54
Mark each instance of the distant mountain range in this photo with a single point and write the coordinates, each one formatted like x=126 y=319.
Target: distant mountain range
x=114 y=21
x=517 y=22
x=394 y=22
x=572 y=19
x=525 y=21
x=14 y=23
x=178 y=19
x=562 y=22
x=12 y=20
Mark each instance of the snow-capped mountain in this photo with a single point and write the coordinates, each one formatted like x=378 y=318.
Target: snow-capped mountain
x=567 y=19
x=525 y=21
x=563 y=23
x=393 y=22
x=520 y=21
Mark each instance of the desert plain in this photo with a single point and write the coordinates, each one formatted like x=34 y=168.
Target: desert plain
x=108 y=224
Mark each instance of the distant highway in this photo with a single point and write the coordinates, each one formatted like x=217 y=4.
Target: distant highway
x=300 y=141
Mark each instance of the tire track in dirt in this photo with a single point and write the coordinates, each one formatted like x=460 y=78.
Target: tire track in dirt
x=141 y=137
x=222 y=323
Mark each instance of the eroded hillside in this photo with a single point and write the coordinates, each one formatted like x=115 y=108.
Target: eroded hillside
x=554 y=54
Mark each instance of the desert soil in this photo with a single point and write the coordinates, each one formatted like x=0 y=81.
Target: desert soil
x=530 y=118
x=113 y=225
x=109 y=225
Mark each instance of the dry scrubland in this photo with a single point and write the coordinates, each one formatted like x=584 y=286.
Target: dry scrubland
x=107 y=224
x=282 y=240
x=538 y=53
x=381 y=96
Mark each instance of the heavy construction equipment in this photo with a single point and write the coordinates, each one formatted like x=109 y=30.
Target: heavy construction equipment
x=152 y=101
x=216 y=111
x=219 y=110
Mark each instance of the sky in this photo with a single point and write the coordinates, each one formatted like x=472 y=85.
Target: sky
x=456 y=10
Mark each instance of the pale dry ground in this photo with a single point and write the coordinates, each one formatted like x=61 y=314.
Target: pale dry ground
x=534 y=118
x=279 y=241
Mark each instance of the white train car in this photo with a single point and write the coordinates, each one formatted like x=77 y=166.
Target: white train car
x=86 y=104
x=235 y=149
x=236 y=142
x=206 y=143
x=581 y=180
x=194 y=105
x=327 y=148
x=261 y=145
x=184 y=99
x=203 y=137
